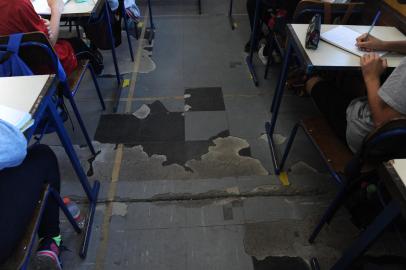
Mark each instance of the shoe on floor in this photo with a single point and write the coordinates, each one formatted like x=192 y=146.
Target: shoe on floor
x=261 y=54
x=47 y=257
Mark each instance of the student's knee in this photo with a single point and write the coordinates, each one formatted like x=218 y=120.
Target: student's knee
x=47 y=161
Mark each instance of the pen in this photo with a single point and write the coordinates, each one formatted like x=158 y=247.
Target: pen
x=373 y=23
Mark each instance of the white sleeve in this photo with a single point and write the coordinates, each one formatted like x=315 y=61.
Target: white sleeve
x=13 y=146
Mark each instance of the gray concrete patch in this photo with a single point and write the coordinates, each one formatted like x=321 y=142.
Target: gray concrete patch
x=223 y=160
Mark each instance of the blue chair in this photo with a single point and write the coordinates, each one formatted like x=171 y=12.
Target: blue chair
x=383 y=144
x=36 y=51
x=21 y=256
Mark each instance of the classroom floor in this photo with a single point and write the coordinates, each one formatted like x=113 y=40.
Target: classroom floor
x=185 y=169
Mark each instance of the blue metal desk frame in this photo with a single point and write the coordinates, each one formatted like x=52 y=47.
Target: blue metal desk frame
x=295 y=48
x=249 y=58
x=46 y=106
x=391 y=210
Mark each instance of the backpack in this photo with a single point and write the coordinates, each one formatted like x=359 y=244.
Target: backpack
x=102 y=41
x=10 y=62
x=85 y=52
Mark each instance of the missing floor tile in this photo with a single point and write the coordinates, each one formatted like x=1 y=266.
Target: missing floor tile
x=159 y=126
x=205 y=99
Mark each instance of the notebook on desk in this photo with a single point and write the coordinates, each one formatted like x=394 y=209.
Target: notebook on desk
x=344 y=38
x=19 y=119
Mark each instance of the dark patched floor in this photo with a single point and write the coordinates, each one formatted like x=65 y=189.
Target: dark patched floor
x=204 y=99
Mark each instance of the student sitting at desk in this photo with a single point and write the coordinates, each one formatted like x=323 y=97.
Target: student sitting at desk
x=353 y=118
x=19 y=16
x=22 y=179
x=265 y=5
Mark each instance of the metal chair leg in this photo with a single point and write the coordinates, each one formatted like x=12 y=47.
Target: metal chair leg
x=151 y=19
x=96 y=85
x=230 y=15
x=130 y=46
x=82 y=125
x=289 y=146
x=65 y=210
x=329 y=213
x=270 y=43
x=200 y=6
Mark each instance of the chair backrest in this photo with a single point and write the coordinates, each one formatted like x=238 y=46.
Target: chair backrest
x=346 y=13
x=38 y=54
x=383 y=144
x=386 y=142
x=10 y=62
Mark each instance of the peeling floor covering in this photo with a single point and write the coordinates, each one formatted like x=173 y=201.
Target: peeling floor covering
x=207 y=199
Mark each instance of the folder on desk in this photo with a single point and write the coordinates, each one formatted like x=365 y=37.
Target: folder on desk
x=20 y=120
x=345 y=38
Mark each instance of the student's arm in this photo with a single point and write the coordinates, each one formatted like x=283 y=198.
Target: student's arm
x=56 y=7
x=13 y=146
x=374 y=44
x=372 y=68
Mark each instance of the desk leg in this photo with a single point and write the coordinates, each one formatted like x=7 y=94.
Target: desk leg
x=126 y=30
x=151 y=19
x=91 y=192
x=276 y=102
x=230 y=15
x=384 y=219
x=253 y=36
x=113 y=47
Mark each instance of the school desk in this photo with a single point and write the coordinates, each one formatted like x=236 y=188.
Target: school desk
x=326 y=57
x=35 y=94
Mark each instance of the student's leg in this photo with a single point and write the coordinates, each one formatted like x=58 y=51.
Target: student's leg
x=20 y=189
x=333 y=105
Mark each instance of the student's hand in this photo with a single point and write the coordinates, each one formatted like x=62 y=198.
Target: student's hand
x=56 y=4
x=370 y=43
x=372 y=67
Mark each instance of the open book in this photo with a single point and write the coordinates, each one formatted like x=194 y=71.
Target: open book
x=20 y=120
x=344 y=38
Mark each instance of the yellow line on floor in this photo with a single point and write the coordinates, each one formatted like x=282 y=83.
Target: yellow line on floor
x=136 y=68
x=105 y=229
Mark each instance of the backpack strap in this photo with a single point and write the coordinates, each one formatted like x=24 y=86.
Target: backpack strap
x=14 y=42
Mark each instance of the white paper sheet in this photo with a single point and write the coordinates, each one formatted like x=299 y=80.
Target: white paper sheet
x=345 y=38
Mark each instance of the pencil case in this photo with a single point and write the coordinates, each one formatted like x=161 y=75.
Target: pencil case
x=313 y=33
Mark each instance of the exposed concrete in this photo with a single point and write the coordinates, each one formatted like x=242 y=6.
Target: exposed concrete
x=279 y=139
x=142 y=112
x=147 y=65
x=119 y=209
x=223 y=160
x=187 y=108
x=302 y=167
x=289 y=238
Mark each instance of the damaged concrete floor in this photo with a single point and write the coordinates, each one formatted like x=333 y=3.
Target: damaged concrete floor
x=190 y=184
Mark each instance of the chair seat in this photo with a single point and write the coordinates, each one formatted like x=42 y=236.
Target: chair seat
x=21 y=252
x=334 y=150
x=77 y=75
